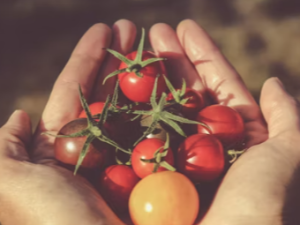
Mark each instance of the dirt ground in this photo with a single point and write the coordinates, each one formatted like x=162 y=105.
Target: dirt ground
x=261 y=38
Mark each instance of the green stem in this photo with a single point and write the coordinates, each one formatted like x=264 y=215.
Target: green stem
x=167 y=166
x=112 y=143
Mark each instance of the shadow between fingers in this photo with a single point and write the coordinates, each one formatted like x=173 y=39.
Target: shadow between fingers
x=290 y=211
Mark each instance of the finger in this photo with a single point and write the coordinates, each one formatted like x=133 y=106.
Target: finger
x=64 y=103
x=15 y=136
x=124 y=32
x=215 y=72
x=165 y=44
x=281 y=111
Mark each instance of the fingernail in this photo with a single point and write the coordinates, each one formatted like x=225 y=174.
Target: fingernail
x=280 y=83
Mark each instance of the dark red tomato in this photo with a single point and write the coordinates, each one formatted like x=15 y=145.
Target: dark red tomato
x=95 y=108
x=67 y=150
x=145 y=150
x=124 y=133
x=224 y=123
x=139 y=89
x=116 y=184
x=201 y=158
x=195 y=102
x=117 y=124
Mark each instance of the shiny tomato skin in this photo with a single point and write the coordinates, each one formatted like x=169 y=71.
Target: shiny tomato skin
x=115 y=186
x=67 y=150
x=139 y=89
x=95 y=108
x=195 y=102
x=201 y=158
x=165 y=198
x=145 y=150
x=224 y=123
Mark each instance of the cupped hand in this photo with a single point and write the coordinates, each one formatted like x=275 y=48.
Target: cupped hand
x=252 y=192
x=261 y=186
x=34 y=190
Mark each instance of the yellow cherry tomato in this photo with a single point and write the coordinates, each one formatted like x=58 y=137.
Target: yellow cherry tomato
x=164 y=198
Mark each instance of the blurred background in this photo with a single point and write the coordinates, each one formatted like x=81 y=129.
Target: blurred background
x=261 y=38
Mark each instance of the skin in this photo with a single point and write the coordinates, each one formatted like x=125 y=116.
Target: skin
x=254 y=191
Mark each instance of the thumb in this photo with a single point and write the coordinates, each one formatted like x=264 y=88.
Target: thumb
x=15 y=135
x=281 y=111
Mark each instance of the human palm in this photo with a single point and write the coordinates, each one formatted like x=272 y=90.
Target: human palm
x=34 y=189
x=253 y=190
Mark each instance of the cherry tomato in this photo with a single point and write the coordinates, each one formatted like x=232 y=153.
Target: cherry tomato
x=145 y=150
x=139 y=89
x=67 y=150
x=224 y=123
x=194 y=104
x=201 y=158
x=118 y=125
x=95 y=108
x=165 y=198
x=115 y=186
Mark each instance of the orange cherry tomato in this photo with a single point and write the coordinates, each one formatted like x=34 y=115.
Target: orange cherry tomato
x=164 y=198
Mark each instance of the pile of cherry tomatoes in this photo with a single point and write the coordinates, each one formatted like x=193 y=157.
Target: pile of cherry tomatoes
x=149 y=146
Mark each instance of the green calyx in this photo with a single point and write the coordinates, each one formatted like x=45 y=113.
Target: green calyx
x=178 y=95
x=159 y=113
x=158 y=158
x=95 y=129
x=132 y=65
x=113 y=106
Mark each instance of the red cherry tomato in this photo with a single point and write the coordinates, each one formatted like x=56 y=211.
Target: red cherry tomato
x=165 y=198
x=95 y=108
x=139 y=89
x=194 y=104
x=116 y=184
x=67 y=150
x=224 y=123
x=145 y=150
x=201 y=158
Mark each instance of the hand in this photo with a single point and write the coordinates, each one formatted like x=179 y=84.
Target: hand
x=34 y=190
x=259 y=188
x=28 y=197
